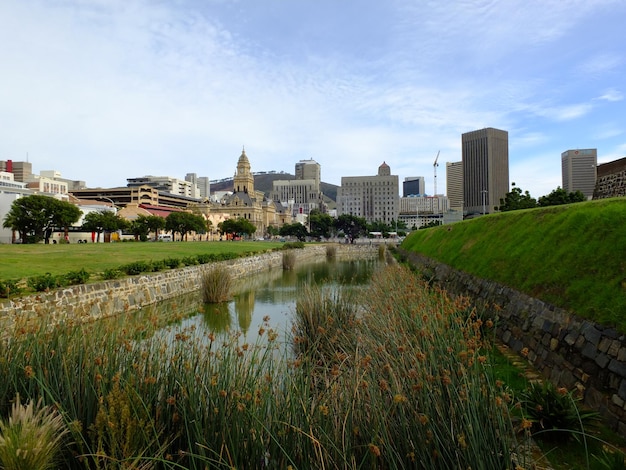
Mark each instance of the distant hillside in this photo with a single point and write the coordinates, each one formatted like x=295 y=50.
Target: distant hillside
x=263 y=182
x=572 y=256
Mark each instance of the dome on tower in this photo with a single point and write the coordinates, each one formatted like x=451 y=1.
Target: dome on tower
x=243 y=158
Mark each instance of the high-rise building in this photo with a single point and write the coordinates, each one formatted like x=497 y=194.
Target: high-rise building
x=454 y=184
x=413 y=186
x=202 y=189
x=303 y=194
x=578 y=170
x=309 y=170
x=485 y=169
x=375 y=198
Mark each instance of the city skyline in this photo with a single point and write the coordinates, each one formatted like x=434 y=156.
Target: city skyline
x=104 y=91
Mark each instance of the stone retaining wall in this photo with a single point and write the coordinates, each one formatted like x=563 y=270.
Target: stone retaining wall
x=568 y=350
x=107 y=298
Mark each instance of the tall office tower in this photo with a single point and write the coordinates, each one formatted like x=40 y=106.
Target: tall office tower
x=201 y=188
x=578 y=169
x=204 y=185
x=454 y=184
x=309 y=170
x=303 y=194
x=485 y=169
x=413 y=186
x=375 y=198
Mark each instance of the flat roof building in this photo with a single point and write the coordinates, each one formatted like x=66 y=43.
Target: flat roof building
x=375 y=198
x=578 y=169
x=454 y=184
x=485 y=155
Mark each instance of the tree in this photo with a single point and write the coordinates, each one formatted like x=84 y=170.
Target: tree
x=516 y=200
x=351 y=225
x=144 y=224
x=294 y=230
x=103 y=221
x=561 y=196
x=237 y=227
x=34 y=217
x=184 y=223
x=320 y=224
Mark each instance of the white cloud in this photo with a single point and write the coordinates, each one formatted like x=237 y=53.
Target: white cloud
x=107 y=90
x=612 y=96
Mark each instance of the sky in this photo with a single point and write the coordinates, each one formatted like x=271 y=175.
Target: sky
x=105 y=90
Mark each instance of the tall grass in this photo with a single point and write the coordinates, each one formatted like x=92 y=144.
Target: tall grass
x=331 y=252
x=31 y=437
x=393 y=377
x=217 y=284
x=289 y=260
x=405 y=383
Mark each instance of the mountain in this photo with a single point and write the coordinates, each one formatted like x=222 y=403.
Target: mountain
x=263 y=182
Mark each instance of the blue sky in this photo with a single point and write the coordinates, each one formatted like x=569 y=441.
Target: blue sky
x=104 y=90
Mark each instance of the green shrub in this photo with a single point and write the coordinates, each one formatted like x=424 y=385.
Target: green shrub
x=76 y=277
x=158 y=265
x=112 y=273
x=331 y=252
x=9 y=287
x=43 y=283
x=136 y=267
x=205 y=258
x=172 y=263
x=226 y=256
x=293 y=245
x=190 y=260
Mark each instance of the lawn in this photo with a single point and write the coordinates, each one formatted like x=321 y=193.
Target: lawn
x=572 y=256
x=22 y=261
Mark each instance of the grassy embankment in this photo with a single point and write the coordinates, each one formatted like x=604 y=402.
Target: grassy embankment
x=22 y=261
x=572 y=256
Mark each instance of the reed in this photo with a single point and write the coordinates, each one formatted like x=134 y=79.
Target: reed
x=382 y=250
x=217 y=285
x=289 y=260
x=392 y=376
x=331 y=252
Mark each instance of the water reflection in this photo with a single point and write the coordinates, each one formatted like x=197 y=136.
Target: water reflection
x=272 y=295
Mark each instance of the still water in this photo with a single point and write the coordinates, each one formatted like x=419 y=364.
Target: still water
x=268 y=298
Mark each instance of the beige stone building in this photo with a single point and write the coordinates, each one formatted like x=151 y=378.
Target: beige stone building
x=375 y=198
x=247 y=203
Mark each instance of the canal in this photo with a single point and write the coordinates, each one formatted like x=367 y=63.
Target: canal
x=265 y=300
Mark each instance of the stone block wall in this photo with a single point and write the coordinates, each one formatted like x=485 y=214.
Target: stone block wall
x=566 y=349
x=89 y=302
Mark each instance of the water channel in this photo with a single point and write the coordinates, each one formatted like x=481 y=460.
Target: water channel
x=266 y=299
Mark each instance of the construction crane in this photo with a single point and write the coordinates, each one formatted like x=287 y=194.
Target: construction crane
x=435 y=165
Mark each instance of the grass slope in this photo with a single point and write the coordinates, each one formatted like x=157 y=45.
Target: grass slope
x=572 y=256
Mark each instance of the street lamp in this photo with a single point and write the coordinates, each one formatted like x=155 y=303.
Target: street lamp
x=110 y=200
